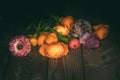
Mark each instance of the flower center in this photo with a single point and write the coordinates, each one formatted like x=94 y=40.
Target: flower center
x=19 y=46
x=74 y=45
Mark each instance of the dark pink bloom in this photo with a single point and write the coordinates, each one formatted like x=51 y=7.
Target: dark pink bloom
x=92 y=41
x=20 y=46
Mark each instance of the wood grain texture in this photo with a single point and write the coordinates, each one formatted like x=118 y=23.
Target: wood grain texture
x=80 y=64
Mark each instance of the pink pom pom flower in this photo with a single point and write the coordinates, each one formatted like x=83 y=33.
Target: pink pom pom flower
x=20 y=46
x=74 y=44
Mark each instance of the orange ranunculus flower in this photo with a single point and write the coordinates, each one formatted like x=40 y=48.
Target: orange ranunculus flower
x=62 y=30
x=51 y=38
x=42 y=37
x=67 y=21
x=55 y=50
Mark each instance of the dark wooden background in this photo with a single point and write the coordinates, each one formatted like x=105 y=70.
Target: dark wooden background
x=81 y=64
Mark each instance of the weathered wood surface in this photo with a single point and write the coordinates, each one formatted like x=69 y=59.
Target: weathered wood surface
x=66 y=68
x=99 y=64
x=31 y=67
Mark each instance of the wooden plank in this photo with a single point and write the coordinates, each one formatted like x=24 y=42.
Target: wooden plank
x=66 y=68
x=31 y=67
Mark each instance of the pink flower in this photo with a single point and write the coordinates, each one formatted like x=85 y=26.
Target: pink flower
x=74 y=44
x=20 y=46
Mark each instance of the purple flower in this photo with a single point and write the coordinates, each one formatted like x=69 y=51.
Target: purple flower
x=92 y=41
x=20 y=46
x=83 y=38
x=81 y=27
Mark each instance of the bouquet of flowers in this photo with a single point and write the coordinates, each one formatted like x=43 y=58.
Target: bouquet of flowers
x=55 y=37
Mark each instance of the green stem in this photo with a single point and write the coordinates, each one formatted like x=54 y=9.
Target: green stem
x=37 y=30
